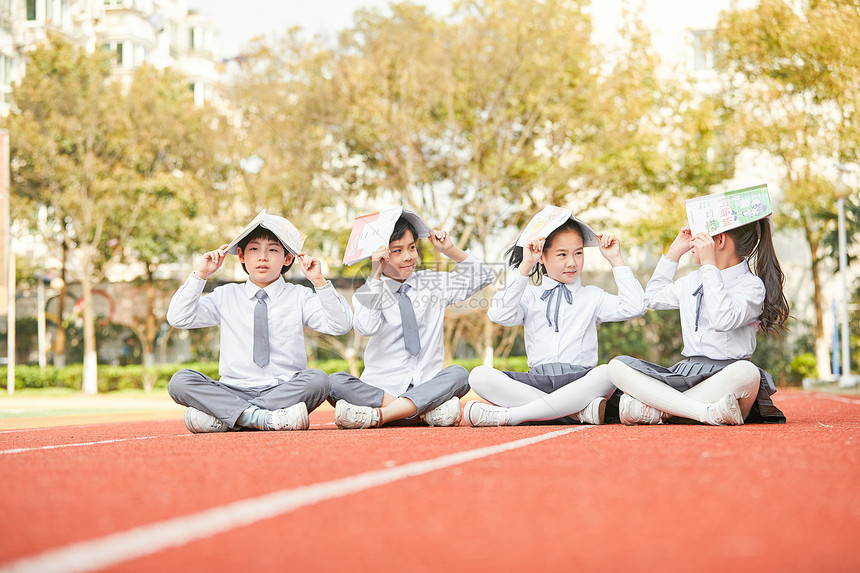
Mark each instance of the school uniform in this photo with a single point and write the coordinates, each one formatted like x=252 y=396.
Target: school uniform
x=389 y=366
x=560 y=323
x=285 y=379
x=719 y=320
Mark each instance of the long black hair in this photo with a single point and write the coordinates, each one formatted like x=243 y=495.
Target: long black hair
x=755 y=240
x=515 y=253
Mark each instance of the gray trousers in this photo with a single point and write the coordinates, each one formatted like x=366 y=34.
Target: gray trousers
x=450 y=382
x=191 y=388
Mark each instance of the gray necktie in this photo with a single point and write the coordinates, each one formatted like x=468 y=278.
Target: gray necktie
x=557 y=292
x=261 y=329
x=698 y=294
x=410 y=325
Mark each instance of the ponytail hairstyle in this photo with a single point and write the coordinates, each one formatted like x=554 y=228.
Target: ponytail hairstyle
x=754 y=240
x=515 y=253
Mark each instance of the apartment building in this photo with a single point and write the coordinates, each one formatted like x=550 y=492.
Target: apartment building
x=164 y=33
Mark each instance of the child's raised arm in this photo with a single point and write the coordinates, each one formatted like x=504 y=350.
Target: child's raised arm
x=211 y=262
x=610 y=248
x=312 y=269
x=442 y=242
x=531 y=255
x=680 y=245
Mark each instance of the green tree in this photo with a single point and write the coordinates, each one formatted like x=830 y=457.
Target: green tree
x=92 y=151
x=478 y=121
x=792 y=71
x=177 y=150
x=66 y=131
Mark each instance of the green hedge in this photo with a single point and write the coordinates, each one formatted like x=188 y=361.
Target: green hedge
x=125 y=377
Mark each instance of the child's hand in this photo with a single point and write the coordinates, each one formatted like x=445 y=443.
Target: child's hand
x=442 y=242
x=531 y=255
x=211 y=262
x=610 y=248
x=705 y=247
x=680 y=245
x=379 y=257
x=312 y=269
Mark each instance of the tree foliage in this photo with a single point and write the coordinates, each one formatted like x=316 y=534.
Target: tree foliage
x=794 y=86
x=106 y=160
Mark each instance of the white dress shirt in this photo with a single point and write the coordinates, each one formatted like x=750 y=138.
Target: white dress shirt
x=291 y=308
x=387 y=364
x=576 y=339
x=732 y=300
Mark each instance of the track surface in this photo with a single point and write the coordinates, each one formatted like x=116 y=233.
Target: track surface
x=148 y=496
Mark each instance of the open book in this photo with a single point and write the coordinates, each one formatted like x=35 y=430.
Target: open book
x=286 y=232
x=548 y=220
x=721 y=212
x=374 y=230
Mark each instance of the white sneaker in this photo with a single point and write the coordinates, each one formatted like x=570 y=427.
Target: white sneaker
x=293 y=418
x=199 y=422
x=726 y=412
x=480 y=414
x=632 y=412
x=349 y=416
x=594 y=412
x=447 y=414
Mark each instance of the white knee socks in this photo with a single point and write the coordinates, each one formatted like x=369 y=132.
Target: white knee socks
x=498 y=388
x=567 y=400
x=526 y=403
x=740 y=378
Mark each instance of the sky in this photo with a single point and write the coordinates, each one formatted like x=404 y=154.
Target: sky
x=238 y=22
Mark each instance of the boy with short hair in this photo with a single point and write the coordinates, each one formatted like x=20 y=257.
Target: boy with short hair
x=402 y=312
x=265 y=383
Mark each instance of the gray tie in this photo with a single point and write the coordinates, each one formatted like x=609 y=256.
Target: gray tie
x=261 y=329
x=557 y=292
x=698 y=294
x=410 y=325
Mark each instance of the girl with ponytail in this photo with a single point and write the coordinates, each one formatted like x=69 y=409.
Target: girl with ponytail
x=722 y=306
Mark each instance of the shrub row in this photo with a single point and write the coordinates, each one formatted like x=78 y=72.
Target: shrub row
x=132 y=377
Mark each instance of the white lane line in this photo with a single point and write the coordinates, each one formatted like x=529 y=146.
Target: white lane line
x=80 y=444
x=836 y=398
x=74 y=445
x=75 y=427
x=134 y=543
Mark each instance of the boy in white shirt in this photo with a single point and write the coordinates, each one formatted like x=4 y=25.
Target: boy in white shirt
x=265 y=383
x=402 y=312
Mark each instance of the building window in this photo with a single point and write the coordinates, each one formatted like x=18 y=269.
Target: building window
x=5 y=70
x=703 y=50
x=31 y=10
x=194 y=38
x=115 y=49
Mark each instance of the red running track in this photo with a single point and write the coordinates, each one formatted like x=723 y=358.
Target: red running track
x=148 y=496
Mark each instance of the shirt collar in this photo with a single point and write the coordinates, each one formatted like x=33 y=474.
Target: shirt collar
x=736 y=271
x=548 y=283
x=393 y=285
x=273 y=290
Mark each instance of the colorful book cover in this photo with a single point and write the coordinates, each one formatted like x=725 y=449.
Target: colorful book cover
x=370 y=232
x=721 y=212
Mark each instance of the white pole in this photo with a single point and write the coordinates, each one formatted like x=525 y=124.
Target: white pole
x=40 y=319
x=10 y=325
x=845 y=379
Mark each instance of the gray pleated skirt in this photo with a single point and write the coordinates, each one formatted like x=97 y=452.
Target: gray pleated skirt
x=691 y=371
x=550 y=377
